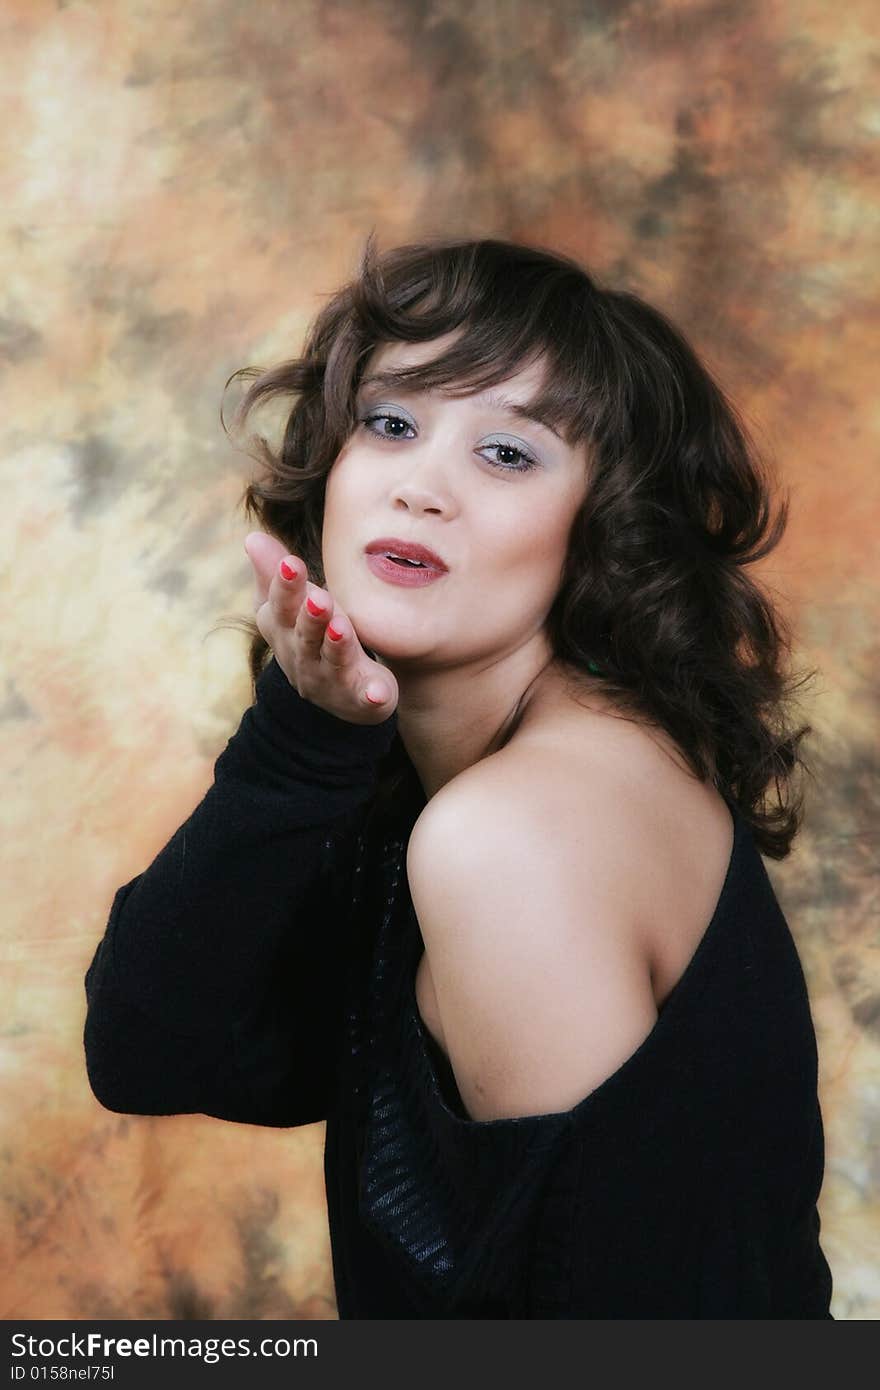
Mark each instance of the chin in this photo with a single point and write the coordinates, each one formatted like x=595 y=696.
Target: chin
x=382 y=628
x=395 y=651
x=392 y=653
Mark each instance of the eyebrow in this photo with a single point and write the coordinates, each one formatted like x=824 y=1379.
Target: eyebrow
x=521 y=411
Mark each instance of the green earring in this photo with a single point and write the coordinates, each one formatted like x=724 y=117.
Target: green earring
x=591 y=666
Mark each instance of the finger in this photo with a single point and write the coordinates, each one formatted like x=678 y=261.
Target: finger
x=315 y=612
x=264 y=553
x=376 y=693
x=261 y=586
x=340 y=647
x=345 y=653
x=264 y=623
x=288 y=589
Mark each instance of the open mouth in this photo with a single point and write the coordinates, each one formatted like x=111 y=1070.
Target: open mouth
x=410 y=564
x=396 y=569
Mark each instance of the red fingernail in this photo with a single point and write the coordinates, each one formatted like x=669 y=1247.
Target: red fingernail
x=286 y=571
x=333 y=634
x=313 y=607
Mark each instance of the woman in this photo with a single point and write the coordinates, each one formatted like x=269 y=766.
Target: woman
x=478 y=881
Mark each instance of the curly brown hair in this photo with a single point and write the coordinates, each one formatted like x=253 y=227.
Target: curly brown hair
x=655 y=594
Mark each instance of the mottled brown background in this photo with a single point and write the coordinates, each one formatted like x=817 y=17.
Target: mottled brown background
x=180 y=186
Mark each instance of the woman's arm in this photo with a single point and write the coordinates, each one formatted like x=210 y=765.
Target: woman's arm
x=216 y=987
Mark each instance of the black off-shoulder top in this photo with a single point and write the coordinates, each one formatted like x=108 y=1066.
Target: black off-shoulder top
x=262 y=970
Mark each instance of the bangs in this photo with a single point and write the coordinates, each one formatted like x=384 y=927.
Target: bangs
x=505 y=323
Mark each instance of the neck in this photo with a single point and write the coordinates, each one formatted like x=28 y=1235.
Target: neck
x=452 y=718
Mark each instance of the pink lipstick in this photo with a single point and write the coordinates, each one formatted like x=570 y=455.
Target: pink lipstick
x=404 y=562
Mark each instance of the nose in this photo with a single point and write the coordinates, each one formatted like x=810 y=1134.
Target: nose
x=422 y=485
x=417 y=499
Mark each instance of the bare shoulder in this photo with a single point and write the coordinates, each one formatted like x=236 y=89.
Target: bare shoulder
x=537 y=987
x=561 y=887
x=572 y=824
x=662 y=838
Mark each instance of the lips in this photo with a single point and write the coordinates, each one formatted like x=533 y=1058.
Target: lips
x=406 y=550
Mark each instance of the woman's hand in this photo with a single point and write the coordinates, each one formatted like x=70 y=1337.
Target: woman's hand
x=335 y=674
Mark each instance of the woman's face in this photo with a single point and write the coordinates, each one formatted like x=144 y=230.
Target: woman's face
x=493 y=495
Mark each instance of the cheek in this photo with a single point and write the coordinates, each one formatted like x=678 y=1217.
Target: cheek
x=532 y=544
x=347 y=509
x=535 y=558
x=341 y=501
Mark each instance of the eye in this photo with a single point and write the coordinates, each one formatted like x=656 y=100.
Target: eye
x=527 y=460
x=385 y=415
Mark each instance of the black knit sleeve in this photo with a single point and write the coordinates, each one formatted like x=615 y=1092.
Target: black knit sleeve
x=217 y=985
